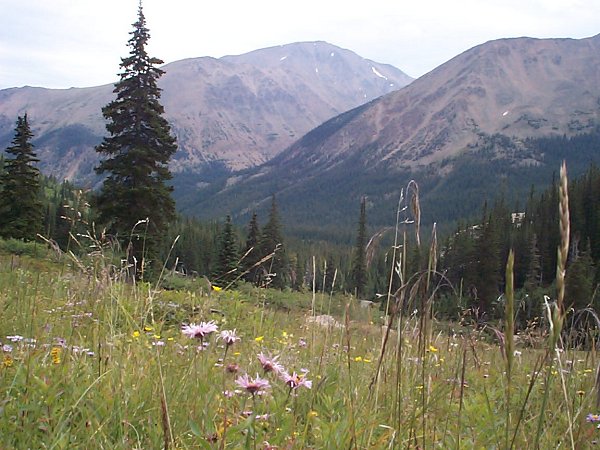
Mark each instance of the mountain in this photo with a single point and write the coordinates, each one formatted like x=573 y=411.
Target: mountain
x=462 y=131
x=229 y=113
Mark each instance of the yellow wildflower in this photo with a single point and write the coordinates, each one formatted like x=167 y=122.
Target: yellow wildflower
x=432 y=349
x=313 y=414
x=259 y=338
x=55 y=354
x=358 y=359
x=217 y=288
x=8 y=361
x=148 y=328
x=136 y=334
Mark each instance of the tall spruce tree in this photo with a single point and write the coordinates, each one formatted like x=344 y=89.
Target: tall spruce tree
x=138 y=151
x=21 y=210
x=228 y=257
x=252 y=251
x=358 y=274
x=271 y=242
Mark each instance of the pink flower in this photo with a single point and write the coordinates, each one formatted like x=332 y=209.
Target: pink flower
x=199 y=331
x=294 y=381
x=254 y=386
x=229 y=337
x=270 y=364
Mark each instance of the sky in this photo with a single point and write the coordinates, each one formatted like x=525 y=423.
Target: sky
x=79 y=43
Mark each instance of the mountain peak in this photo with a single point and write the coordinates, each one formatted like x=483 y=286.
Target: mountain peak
x=232 y=112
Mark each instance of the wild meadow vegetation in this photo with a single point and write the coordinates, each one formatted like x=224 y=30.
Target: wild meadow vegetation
x=125 y=326
x=94 y=359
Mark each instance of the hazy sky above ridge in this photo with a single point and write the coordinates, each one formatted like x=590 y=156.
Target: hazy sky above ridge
x=79 y=43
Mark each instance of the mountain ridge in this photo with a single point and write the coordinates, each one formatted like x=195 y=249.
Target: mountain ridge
x=484 y=106
x=234 y=112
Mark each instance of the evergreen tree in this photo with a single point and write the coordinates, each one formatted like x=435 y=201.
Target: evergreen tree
x=579 y=282
x=138 y=150
x=20 y=206
x=358 y=274
x=228 y=257
x=533 y=277
x=252 y=251
x=330 y=274
x=487 y=253
x=271 y=242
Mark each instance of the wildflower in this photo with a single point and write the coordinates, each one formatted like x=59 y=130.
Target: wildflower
x=7 y=361
x=294 y=381
x=259 y=338
x=254 y=386
x=232 y=368
x=432 y=349
x=270 y=364
x=358 y=359
x=136 y=334
x=313 y=414
x=302 y=343
x=593 y=418
x=199 y=331
x=229 y=337
x=217 y=288
x=55 y=354
x=15 y=338
x=148 y=328
x=159 y=343
x=7 y=348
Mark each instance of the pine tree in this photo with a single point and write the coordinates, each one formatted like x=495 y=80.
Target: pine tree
x=487 y=254
x=271 y=242
x=252 y=251
x=138 y=150
x=358 y=276
x=21 y=210
x=228 y=257
x=579 y=282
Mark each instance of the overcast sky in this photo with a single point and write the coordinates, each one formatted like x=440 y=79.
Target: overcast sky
x=64 y=43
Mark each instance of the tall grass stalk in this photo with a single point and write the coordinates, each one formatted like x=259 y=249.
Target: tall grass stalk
x=557 y=310
x=509 y=331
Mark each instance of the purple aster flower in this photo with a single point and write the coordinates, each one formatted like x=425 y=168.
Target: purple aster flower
x=593 y=418
x=270 y=364
x=294 y=381
x=199 y=331
x=229 y=337
x=253 y=385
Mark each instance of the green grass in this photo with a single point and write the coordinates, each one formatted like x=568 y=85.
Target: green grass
x=98 y=374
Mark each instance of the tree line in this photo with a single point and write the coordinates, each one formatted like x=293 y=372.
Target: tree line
x=474 y=256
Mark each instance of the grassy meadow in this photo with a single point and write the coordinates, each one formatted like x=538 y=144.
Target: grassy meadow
x=89 y=361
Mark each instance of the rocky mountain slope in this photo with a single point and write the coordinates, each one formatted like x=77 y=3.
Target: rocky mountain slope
x=478 y=112
x=234 y=112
